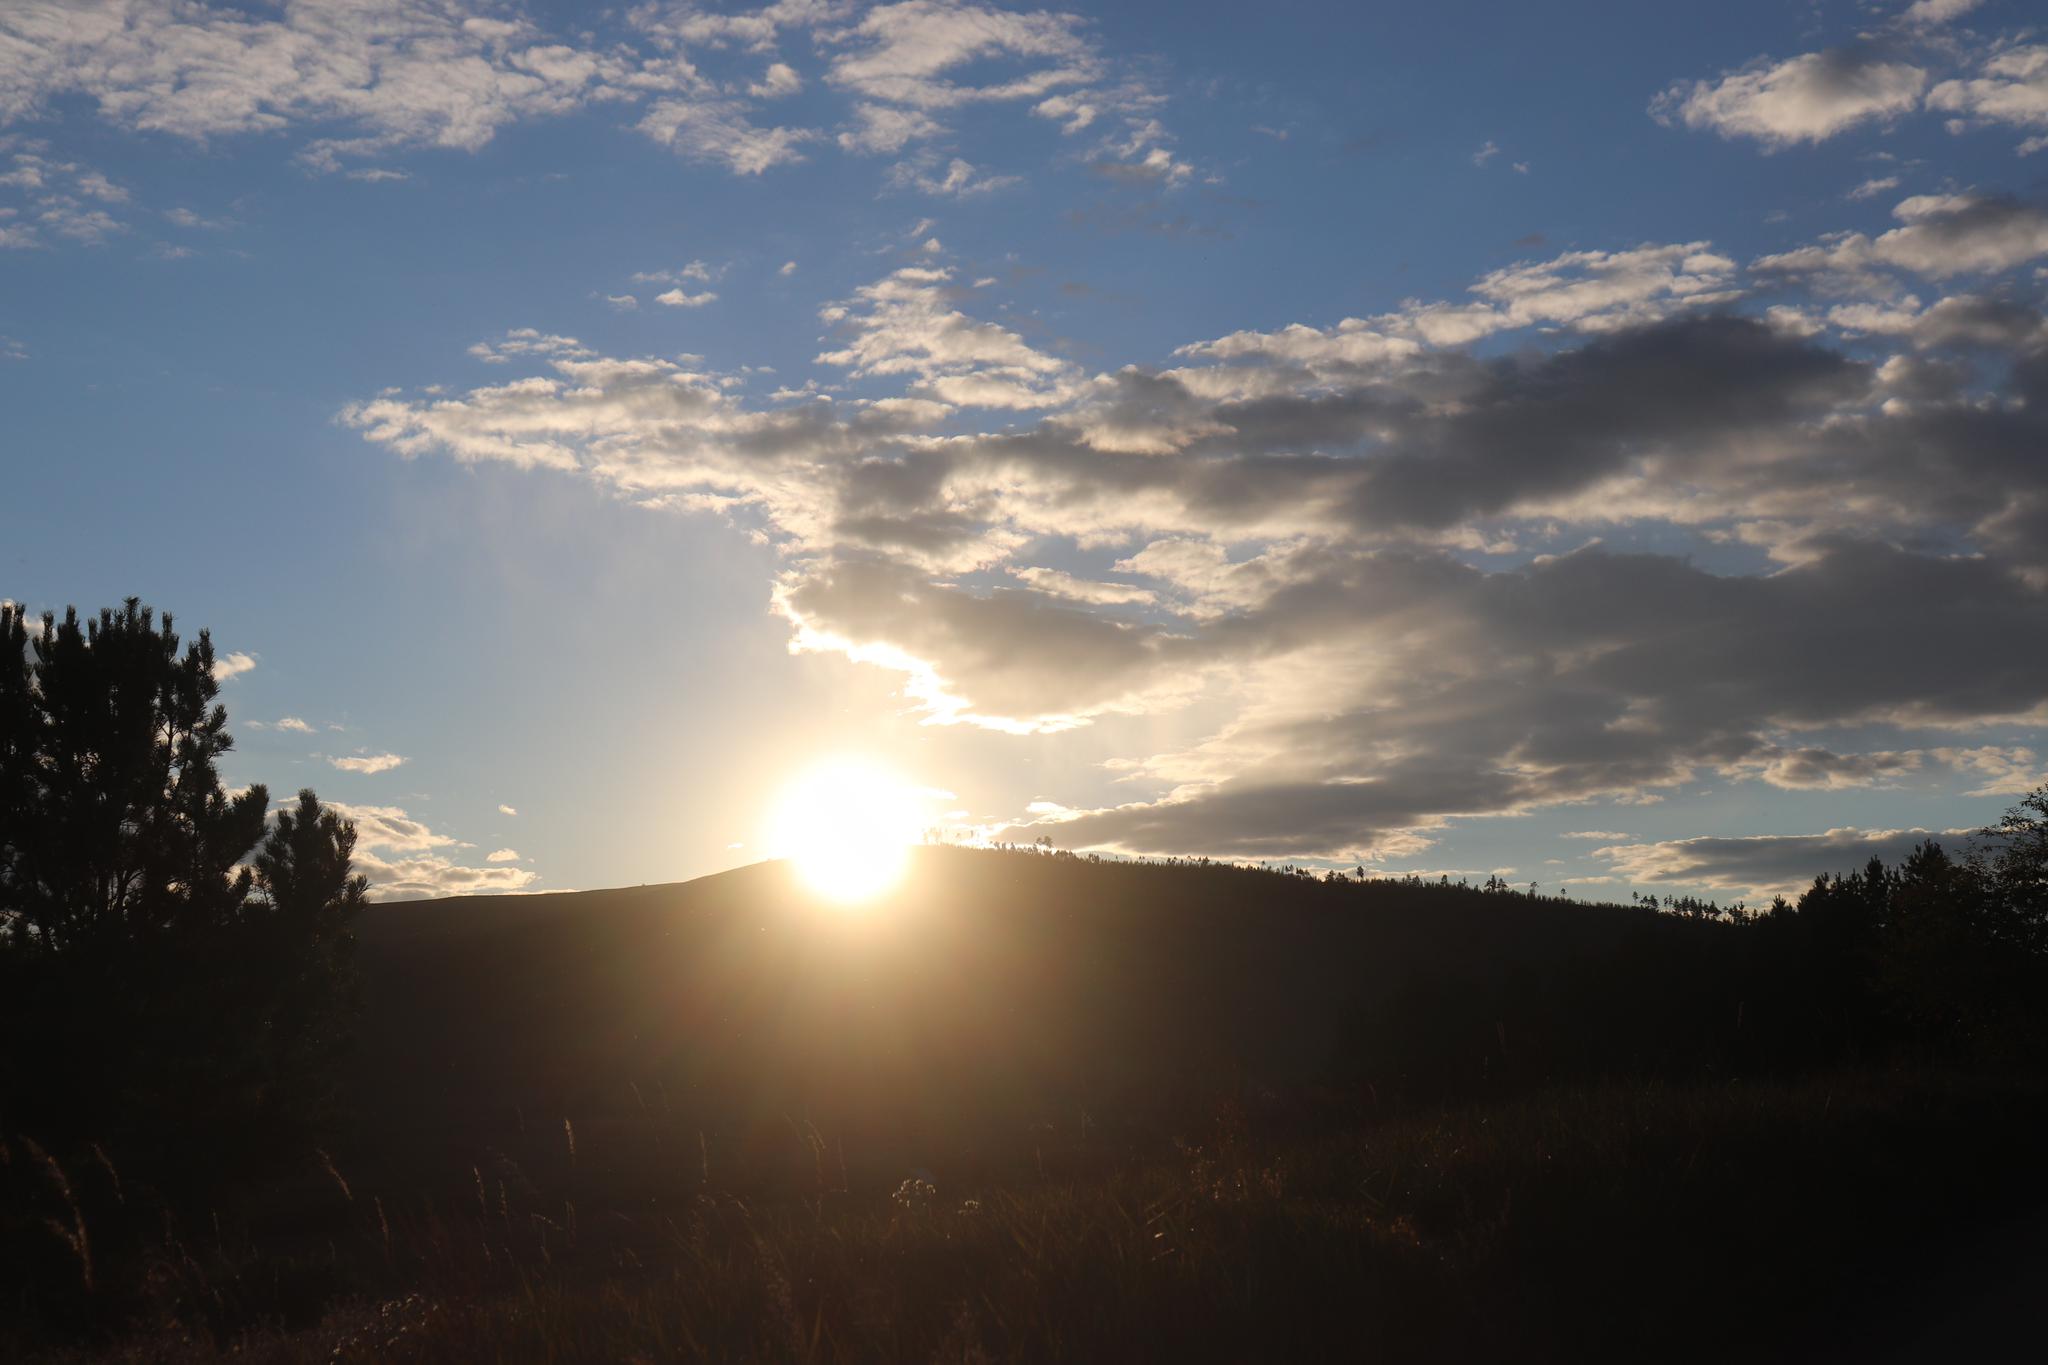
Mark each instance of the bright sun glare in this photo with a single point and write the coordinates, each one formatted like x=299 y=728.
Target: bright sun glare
x=847 y=827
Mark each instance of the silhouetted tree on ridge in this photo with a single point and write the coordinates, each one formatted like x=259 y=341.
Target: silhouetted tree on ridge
x=153 y=976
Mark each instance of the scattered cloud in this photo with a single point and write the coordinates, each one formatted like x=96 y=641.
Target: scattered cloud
x=682 y=298
x=958 y=180
x=506 y=810
x=1769 y=864
x=502 y=855
x=368 y=763
x=232 y=665
x=1808 y=98
x=720 y=131
x=1371 y=556
x=405 y=860
x=2011 y=88
x=1942 y=235
x=780 y=79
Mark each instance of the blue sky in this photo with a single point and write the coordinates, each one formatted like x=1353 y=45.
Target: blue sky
x=1601 y=443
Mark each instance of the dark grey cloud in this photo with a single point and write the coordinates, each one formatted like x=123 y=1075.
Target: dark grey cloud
x=1774 y=863
x=1329 y=536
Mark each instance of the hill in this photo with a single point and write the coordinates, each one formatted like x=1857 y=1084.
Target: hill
x=1034 y=1107
x=997 y=990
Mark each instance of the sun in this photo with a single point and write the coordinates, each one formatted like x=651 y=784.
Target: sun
x=846 y=826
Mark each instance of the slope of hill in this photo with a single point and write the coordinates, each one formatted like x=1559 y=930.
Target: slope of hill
x=994 y=991
x=1035 y=1107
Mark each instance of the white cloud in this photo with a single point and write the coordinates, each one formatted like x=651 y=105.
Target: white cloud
x=959 y=181
x=624 y=303
x=2011 y=88
x=1931 y=12
x=680 y=298
x=1874 y=186
x=881 y=128
x=1486 y=153
x=232 y=666
x=428 y=73
x=1808 y=98
x=404 y=860
x=368 y=763
x=720 y=131
x=901 y=54
x=1070 y=112
x=506 y=810
x=293 y=724
x=1588 y=290
x=502 y=855
x=1059 y=583
x=1943 y=235
x=906 y=325
x=780 y=79
x=788 y=268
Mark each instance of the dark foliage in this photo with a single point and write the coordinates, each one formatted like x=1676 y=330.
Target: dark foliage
x=160 y=992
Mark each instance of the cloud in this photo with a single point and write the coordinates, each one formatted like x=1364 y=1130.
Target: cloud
x=433 y=73
x=902 y=53
x=1874 y=186
x=1059 y=583
x=404 y=860
x=780 y=79
x=2011 y=88
x=905 y=324
x=787 y=269
x=293 y=724
x=55 y=198
x=1769 y=864
x=1361 y=591
x=959 y=181
x=506 y=810
x=680 y=298
x=1808 y=98
x=720 y=131
x=1486 y=153
x=880 y=128
x=1931 y=12
x=232 y=666
x=624 y=303
x=502 y=855
x=1943 y=235
x=368 y=763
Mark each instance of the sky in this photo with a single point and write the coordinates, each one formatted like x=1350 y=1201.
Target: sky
x=1601 y=445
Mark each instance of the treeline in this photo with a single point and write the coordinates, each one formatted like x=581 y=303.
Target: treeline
x=175 y=960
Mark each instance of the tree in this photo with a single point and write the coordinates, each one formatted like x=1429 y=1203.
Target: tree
x=151 y=975
x=2014 y=862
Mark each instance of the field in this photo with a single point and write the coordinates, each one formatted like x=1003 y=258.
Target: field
x=1041 y=1108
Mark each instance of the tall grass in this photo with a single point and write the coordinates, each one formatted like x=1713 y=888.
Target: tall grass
x=1649 y=1220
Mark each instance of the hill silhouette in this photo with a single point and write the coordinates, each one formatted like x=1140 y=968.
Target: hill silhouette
x=995 y=994
x=1035 y=1106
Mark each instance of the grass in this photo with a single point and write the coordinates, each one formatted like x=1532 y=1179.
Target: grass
x=1652 y=1221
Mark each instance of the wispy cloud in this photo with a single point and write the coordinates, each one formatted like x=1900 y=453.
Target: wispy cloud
x=368 y=763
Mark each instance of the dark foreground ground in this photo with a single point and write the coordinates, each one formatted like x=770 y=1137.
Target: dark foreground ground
x=1037 y=1109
